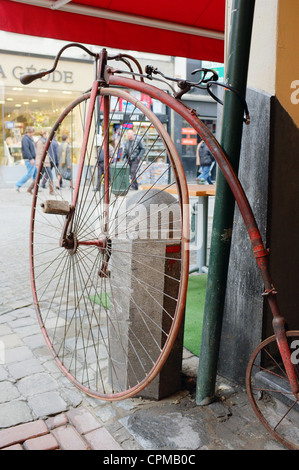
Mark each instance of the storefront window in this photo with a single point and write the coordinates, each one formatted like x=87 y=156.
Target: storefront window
x=190 y=139
x=22 y=107
x=189 y=142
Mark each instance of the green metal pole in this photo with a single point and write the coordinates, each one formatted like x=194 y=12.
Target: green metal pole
x=231 y=135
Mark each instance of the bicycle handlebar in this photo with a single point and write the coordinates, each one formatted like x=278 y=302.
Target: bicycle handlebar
x=185 y=85
x=27 y=78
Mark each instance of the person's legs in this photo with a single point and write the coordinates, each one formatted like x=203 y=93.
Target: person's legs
x=133 y=169
x=30 y=173
x=205 y=176
x=49 y=176
x=100 y=174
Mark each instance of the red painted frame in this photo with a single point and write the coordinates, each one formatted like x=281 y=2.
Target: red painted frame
x=259 y=251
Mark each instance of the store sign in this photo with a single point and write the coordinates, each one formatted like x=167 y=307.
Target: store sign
x=218 y=67
x=57 y=76
x=73 y=75
x=191 y=136
x=121 y=116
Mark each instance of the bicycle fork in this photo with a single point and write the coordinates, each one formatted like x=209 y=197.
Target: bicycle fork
x=68 y=239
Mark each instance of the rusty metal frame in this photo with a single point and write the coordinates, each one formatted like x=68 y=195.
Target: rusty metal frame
x=108 y=78
x=259 y=250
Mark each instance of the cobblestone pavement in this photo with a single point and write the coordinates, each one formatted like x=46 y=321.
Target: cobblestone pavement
x=41 y=409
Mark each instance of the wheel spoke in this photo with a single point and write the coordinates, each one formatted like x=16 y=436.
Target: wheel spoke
x=270 y=394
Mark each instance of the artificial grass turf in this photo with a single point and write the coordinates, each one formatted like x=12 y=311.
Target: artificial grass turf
x=194 y=312
x=103 y=300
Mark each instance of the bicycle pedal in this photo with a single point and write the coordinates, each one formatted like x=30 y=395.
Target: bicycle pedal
x=56 y=207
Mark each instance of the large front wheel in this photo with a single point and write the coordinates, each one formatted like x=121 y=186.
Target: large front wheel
x=109 y=275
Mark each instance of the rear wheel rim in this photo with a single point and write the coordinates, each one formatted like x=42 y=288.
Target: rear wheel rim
x=276 y=409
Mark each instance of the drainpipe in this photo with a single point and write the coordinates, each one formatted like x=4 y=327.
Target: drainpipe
x=231 y=135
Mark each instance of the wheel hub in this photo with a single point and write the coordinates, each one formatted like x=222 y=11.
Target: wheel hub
x=70 y=243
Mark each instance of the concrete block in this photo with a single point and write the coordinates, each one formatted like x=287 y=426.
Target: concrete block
x=147 y=289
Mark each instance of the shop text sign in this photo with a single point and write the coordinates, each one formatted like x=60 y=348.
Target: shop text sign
x=72 y=75
x=58 y=76
x=190 y=136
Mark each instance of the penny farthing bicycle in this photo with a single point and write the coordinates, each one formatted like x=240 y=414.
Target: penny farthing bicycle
x=110 y=264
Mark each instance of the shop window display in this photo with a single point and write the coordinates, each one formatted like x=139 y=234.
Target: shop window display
x=22 y=107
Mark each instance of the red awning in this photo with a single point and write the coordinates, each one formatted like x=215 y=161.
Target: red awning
x=194 y=30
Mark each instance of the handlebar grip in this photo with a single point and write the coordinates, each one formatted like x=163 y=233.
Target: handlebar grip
x=30 y=77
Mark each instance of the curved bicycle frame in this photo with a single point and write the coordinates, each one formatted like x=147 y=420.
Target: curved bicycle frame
x=106 y=77
x=259 y=251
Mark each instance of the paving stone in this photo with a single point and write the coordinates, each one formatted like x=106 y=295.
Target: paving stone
x=12 y=341
x=5 y=309
x=22 y=369
x=47 y=442
x=122 y=436
x=106 y=413
x=27 y=312
x=36 y=384
x=69 y=438
x=6 y=318
x=125 y=405
x=52 y=368
x=3 y=373
x=101 y=439
x=14 y=412
x=73 y=397
x=220 y=411
x=18 y=304
x=34 y=341
x=23 y=321
x=14 y=447
x=5 y=330
x=56 y=421
x=21 y=433
x=8 y=392
x=47 y=404
x=27 y=330
x=156 y=429
x=18 y=354
x=83 y=420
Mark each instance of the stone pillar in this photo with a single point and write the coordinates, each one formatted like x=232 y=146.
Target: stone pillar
x=145 y=301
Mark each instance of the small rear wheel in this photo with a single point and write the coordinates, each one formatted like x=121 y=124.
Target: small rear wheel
x=269 y=390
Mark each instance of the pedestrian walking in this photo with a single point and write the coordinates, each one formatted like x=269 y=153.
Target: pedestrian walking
x=206 y=160
x=46 y=168
x=133 y=153
x=29 y=154
x=53 y=154
x=64 y=162
x=101 y=165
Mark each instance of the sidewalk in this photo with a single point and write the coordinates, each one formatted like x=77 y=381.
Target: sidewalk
x=41 y=409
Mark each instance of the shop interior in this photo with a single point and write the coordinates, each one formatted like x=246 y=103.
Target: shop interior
x=22 y=107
